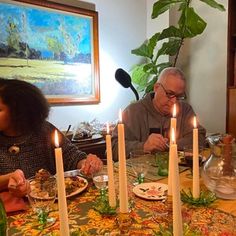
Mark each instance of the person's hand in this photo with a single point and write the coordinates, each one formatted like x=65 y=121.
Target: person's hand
x=155 y=142
x=91 y=165
x=17 y=184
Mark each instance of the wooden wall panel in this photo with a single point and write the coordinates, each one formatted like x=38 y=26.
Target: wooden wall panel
x=232 y=111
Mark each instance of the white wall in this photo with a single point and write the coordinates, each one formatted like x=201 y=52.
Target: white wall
x=122 y=27
x=207 y=69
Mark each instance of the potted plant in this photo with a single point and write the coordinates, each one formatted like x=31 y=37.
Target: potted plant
x=170 y=40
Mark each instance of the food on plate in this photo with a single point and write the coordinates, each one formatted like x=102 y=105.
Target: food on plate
x=42 y=175
x=74 y=183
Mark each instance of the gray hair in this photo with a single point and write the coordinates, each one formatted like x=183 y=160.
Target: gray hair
x=171 y=71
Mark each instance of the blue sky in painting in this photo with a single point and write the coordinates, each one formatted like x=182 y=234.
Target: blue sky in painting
x=69 y=29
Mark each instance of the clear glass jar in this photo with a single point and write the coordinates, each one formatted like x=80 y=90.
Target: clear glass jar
x=219 y=171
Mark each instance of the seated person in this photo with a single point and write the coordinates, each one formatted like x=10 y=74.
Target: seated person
x=27 y=139
x=147 y=122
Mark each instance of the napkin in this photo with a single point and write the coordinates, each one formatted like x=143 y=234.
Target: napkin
x=12 y=203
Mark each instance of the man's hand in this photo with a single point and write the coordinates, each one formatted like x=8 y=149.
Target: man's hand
x=155 y=142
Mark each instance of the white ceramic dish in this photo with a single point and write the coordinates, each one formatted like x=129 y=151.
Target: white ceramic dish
x=151 y=191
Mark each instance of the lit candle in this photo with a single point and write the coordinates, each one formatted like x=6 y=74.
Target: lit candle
x=196 y=185
x=111 y=185
x=62 y=204
x=170 y=170
x=177 y=216
x=123 y=191
x=173 y=119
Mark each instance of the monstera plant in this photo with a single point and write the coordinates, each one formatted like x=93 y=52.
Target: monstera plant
x=168 y=42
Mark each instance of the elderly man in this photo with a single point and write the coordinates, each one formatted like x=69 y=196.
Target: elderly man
x=147 y=122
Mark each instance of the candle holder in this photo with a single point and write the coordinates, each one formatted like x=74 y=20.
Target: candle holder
x=205 y=198
x=102 y=206
x=124 y=222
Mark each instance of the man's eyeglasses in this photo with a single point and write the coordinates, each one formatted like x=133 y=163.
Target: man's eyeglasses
x=171 y=95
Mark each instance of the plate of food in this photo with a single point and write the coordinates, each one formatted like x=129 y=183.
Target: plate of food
x=151 y=191
x=74 y=184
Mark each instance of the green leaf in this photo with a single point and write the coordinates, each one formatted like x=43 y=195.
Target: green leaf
x=139 y=77
x=170 y=48
x=214 y=4
x=149 y=67
x=172 y=31
x=190 y=23
x=143 y=51
x=162 y=6
x=153 y=42
x=146 y=49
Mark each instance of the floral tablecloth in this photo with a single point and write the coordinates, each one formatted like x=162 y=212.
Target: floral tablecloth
x=146 y=218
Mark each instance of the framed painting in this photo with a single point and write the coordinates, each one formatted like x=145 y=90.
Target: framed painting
x=53 y=46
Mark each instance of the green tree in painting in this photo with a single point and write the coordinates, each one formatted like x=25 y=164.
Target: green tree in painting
x=70 y=48
x=55 y=46
x=13 y=39
x=24 y=33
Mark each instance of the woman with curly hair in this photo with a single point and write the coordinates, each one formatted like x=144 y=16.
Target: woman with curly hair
x=27 y=139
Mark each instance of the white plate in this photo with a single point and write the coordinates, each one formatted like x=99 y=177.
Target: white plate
x=77 y=189
x=151 y=191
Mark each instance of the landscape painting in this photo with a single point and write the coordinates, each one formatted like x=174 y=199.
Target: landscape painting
x=52 y=46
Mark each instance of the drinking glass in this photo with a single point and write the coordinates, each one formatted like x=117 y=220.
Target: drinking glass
x=100 y=180
x=41 y=198
x=162 y=161
x=139 y=160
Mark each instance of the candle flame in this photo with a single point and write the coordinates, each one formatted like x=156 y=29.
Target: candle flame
x=120 y=116
x=108 y=128
x=173 y=136
x=174 y=110
x=56 y=139
x=194 y=122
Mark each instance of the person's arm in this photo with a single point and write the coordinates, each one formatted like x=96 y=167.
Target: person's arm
x=76 y=159
x=130 y=144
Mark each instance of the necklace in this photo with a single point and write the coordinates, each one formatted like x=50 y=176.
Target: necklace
x=14 y=149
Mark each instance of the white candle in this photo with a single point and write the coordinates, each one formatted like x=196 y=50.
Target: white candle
x=170 y=170
x=111 y=185
x=173 y=119
x=196 y=185
x=177 y=216
x=123 y=191
x=62 y=204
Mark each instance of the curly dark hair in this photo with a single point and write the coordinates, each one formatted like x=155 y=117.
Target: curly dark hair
x=27 y=105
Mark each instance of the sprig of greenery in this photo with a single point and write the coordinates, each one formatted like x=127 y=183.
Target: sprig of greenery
x=169 y=231
x=205 y=199
x=102 y=206
x=42 y=217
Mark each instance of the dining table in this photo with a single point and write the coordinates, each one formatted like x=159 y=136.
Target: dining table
x=146 y=216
